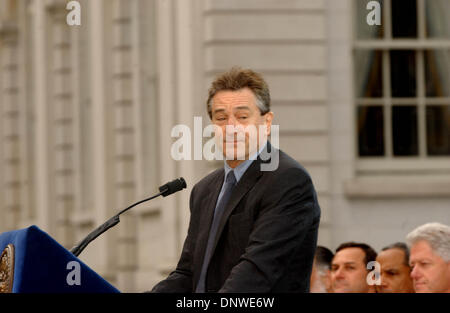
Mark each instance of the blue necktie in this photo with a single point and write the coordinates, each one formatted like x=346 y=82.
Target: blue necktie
x=230 y=182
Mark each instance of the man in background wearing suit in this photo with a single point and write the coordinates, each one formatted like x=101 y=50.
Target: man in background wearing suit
x=251 y=230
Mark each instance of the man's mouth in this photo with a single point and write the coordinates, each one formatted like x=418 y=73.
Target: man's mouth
x=340 y=285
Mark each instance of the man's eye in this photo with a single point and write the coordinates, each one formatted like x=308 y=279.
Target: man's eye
x=242 y=117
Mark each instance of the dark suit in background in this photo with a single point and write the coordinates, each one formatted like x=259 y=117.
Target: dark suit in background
x=266 y=238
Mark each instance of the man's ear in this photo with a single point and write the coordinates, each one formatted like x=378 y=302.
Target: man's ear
x=268 y=117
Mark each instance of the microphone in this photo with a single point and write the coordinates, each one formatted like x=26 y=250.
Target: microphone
x=173 y=186
x=165 y=190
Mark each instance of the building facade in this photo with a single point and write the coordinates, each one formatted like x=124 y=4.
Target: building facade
x=87 y=113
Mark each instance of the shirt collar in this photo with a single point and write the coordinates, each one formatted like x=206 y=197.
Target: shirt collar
x=241 y=168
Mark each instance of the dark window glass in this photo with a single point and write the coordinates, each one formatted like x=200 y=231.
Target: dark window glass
x=438 y=130
x=404 y=130
x=404 y=18
x=370 y=131
x=403 y=73
x=437 y=73
x=368 y=75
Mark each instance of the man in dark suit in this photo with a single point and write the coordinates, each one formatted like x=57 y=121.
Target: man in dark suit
x=253 y=226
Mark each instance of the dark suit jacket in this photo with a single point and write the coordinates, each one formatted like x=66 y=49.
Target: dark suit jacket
x=266 y=238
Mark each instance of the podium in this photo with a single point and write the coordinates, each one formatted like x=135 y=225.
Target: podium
x=33 y=262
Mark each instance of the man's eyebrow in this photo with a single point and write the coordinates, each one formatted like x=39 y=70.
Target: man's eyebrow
x=236 y=108
x=345 y=263
x=219 y=110
x=393 y=270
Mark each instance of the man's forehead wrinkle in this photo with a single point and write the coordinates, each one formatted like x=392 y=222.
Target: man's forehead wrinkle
x=231 y=100
x=230 y=97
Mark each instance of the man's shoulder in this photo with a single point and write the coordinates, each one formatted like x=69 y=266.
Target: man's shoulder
x=287 y=164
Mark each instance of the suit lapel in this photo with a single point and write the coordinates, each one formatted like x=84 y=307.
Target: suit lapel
x=207 y=217
x=248 y=180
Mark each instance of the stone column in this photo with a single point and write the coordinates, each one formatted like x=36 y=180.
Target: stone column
x=62 y=122
x=10 y=132
x=124 y=138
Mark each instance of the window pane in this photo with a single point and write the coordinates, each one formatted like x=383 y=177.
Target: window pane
x=364 y=30
x=437 y=73
x=370 y=131
x=437 y=18
x=368 y=74
x=403 y=73
x=404 y=130
x=404 y=18
x=438 y=130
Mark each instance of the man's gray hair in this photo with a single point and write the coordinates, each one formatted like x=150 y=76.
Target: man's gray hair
x=236 y=79
x=437 y=235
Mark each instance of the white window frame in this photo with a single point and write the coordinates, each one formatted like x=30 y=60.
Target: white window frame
x=388 y=164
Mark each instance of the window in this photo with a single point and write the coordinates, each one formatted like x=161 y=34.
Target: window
x=402 y=86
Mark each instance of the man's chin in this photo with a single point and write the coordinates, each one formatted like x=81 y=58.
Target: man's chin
x=234 y=155
x=385 y=290
x=421 y=288
x=341 y=289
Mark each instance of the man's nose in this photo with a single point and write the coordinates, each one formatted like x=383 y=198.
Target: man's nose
x=339 y=273
x=415 y=273
x=231 y=120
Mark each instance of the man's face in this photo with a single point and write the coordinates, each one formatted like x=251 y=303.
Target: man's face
x=319 y=281
x=430 y=273
x=238 y=111
x=395 y=274
x=348 y=271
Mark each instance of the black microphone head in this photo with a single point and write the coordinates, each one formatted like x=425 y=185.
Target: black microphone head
x=173 y=186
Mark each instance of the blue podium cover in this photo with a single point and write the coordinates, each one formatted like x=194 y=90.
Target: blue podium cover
x=41 y=265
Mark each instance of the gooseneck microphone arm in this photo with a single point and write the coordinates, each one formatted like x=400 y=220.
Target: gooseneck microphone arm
x=165 y=190
x=104 y=227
